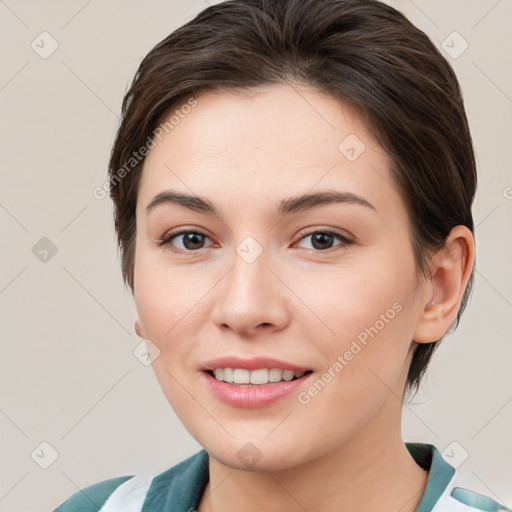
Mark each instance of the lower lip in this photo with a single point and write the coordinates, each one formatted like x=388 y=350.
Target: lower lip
x=253 y=396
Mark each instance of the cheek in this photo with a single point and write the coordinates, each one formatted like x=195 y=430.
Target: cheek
x=166 y=298
x=365 y=364
x=364 y=301
x=368 y=316
x=168 y=306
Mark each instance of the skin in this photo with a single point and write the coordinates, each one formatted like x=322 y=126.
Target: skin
x=343 y=450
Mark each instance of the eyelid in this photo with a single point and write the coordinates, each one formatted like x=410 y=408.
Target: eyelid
x=331 y=231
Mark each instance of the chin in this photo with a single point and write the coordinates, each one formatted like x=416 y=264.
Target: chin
x=259 y=455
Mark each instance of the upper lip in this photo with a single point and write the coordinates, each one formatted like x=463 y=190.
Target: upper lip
x=254 y=363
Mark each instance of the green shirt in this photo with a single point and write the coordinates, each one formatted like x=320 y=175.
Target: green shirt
x=179 y=489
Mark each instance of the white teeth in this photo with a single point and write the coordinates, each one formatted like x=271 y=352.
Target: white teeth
x=257 y=377
x=287 y=375
x=228 y=375
x=241 y=376
x=275 y=374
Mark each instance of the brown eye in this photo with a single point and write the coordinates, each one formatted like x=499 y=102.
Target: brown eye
x=190 y=241
x=323 y=240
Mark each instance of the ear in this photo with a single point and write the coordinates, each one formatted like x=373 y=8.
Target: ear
x=451 y=269
x=138 y=328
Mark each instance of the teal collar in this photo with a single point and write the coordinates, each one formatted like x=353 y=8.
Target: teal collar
x=439 y=473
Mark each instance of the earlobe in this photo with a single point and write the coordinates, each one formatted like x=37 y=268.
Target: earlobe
x=450 y=272
x=138 y=328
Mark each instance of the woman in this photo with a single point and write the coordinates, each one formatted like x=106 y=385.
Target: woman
x=292 y=183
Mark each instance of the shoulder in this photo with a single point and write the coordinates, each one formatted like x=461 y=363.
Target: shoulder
x=93 y=497
x=180 y=487
x=458 y=497
x=447 y=490
x=182 y=484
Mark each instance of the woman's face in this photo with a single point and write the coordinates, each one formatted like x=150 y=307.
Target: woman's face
x=323 y=286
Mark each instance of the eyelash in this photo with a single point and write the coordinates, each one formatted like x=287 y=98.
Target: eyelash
x=167 y=238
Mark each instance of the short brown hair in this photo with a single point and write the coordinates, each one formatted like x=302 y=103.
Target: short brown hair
x=364 y=53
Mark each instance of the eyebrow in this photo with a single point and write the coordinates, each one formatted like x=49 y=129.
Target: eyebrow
x=286 y=206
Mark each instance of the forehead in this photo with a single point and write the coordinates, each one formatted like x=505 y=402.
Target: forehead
x=275 y=142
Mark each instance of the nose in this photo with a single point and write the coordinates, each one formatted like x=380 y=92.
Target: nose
x=252 y=299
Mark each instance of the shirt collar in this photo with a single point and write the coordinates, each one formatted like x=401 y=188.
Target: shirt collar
x=439 y=473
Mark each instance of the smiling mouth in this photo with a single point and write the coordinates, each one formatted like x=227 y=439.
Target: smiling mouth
x=259 y=377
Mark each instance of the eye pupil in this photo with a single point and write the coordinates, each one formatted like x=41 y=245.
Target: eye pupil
x=321 y=238
x=190 y=240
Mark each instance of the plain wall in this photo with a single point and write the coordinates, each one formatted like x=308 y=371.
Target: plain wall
x=68 y=375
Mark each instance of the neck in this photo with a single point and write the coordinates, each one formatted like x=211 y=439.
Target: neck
x=373 y=471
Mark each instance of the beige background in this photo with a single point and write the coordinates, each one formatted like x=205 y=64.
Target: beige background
x=68 y=375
